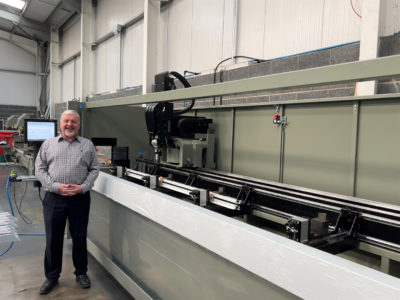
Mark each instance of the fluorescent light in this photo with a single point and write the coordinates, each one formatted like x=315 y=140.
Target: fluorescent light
x=14 y=3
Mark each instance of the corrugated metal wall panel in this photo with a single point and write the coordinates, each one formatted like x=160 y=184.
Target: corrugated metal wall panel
x=78 y=77
x=251 y=27
x=106 y=66
x=71 y=41
x=180 y=36
x=111 y=13
x=207 y=26
x=292 y=27
x=15 y=58
x=340 y=23
x=18 y=89
x=227 y=37
x=67 y=82
x=197 y=34
x=162 y=45
x=132 y=67
x=397 y=17
x=390 y=17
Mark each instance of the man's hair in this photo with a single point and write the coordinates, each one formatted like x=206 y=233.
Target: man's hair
x=71 y=112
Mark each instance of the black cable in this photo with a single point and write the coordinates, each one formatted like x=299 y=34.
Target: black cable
x=186 y=84
x=23 y=196
x=19 y=208
x=258 y=60
x=190 y=72
x=221 y=79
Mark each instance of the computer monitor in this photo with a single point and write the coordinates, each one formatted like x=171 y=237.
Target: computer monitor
x=39 y=130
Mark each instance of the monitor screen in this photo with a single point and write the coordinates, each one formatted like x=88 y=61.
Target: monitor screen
x=39 y=130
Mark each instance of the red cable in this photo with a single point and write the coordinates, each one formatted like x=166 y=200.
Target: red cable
x=352 y=6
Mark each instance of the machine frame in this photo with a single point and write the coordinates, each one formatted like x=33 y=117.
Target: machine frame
x=376 y=69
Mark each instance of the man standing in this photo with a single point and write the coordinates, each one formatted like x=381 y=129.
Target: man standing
x=67 y=167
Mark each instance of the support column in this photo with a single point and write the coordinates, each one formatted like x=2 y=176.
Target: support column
x=43 y=53
x=150 y=40
x=86 y=42
x=369 y=42
x=54 y=71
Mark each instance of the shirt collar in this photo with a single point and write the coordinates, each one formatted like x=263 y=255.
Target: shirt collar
x=78 y=138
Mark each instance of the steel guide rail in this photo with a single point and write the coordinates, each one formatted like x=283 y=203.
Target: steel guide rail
x=199 y=196
x=328 y=201
x=136 y=174
x=317 y=196
x=379 y=222
x=379 y=243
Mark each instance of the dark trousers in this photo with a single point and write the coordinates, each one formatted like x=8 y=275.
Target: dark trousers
x=56 y=210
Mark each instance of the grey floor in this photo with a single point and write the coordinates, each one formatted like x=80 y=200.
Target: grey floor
x=21 y=269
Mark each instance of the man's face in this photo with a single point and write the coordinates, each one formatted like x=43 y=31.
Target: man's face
x=70 y=126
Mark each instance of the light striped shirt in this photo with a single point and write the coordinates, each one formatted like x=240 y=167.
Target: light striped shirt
x=60 y=161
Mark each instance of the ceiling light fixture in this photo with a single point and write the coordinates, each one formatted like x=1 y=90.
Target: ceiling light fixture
x=14 y=3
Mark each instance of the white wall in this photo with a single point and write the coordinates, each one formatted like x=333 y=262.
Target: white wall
x=179 y=35
x=107 y=56
x=71 y=41
x=17 y=88
x=197 y=34
x=391 y=23
x=68 y=81
x=77 y=77
x=70 y=72
x=200 y=32
x=106 y=68
x=132 y=56
x=110 y=13
x=293 y=27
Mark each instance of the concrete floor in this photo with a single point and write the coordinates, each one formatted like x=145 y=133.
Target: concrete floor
x=21 y=269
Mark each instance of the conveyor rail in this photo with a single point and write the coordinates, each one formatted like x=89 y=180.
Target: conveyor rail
x=377 y=223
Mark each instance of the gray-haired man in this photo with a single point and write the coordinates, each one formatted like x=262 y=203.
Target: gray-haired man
x=67 y=167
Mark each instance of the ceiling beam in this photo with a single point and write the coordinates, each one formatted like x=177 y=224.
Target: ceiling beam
x=17 y=19
x=31 y=36
x=26 y=7
x=53 y=13
x=73 y=4
x=27 y=48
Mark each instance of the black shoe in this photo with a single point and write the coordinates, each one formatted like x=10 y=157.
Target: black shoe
x=83 y=280
x=48 y=285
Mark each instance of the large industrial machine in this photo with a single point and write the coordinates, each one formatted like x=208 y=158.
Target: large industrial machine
x=326 y=221
x=183 y=141
x=183 y=163
x=172 y=229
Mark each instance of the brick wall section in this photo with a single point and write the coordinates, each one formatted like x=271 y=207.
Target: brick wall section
x=8 y=110
x=388 y=46
x=332 y=56
x=118 y=94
